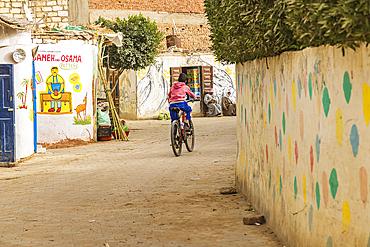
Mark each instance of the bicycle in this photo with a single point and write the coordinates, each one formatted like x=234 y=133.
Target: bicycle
x=179 y=134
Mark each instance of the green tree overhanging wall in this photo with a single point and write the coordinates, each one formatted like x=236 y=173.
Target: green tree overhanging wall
x=141 y=39
x=243 y=30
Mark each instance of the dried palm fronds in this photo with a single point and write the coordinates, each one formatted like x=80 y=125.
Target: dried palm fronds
x=120 y=132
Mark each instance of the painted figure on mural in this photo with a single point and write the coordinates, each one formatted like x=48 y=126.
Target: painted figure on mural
x=55 y=85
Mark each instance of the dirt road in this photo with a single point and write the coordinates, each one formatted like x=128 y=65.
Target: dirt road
x=134 y=193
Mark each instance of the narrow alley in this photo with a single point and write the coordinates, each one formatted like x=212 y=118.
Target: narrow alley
x=134 y=193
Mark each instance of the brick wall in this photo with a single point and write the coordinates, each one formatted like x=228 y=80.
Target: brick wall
x=55 y=37
x=172 y=6
x=55 y=11
x=193 y=37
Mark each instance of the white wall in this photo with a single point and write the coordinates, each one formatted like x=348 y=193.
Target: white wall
x=56 y=126
x=10 y=40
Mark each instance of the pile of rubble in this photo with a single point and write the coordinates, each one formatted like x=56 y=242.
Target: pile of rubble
x=14 y=23
x=88 y=34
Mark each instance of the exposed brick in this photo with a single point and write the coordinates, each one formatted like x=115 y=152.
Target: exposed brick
x=16 y=5
x=62 y=13
x=49 y=41
x=37 y=41
x=193 y=37
x=51 y=3
x=56 y=8
x=15 y=11
x=4 y=10
x=179 y=6
x=56 y=19
x=19 y=16
x=62 y=2
x=47 y=9
x=2 y=4
x=52 y=14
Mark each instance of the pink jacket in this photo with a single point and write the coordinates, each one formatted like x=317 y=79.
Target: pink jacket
x=178 y=92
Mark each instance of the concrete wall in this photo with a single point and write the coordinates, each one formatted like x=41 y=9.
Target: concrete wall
x=78 y=12
x=75 y=63
x=153 y=83
x=303 y=146
x=128 y=97
x=10 y=40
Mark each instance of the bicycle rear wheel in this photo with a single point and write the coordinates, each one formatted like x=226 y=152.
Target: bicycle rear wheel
x=190 y=137
x=176 y=140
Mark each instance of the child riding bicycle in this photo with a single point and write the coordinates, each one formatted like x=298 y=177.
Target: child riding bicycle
x=177 y=96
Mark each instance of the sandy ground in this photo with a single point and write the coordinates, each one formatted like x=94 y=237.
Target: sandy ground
x=134 y=193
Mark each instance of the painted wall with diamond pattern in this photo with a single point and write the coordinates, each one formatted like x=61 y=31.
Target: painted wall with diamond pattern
x=303 y=144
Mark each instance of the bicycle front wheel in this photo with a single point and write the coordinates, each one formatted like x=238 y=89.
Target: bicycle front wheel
x=176 y=140
x=190 y=137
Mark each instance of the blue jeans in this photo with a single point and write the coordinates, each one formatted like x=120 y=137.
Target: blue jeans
x=184 y=107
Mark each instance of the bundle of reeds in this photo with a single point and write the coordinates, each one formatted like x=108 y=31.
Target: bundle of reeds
x=120 y=132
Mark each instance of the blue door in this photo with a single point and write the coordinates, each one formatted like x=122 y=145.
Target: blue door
x=6 y=114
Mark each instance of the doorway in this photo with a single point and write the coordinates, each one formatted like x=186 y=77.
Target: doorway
x=7 y=147
x=200 y=80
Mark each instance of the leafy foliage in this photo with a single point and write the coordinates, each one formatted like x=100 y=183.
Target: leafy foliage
x=244 y=30
x=141 y=39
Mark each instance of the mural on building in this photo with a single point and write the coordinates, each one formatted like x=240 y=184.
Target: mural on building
x=23 y=95
x=64 y=78
x=222 y=81
x=74 y=79
x=322 y=136
x=81 y=109
x=55 y=93
x=38 y=77
x=152 y=89
x=154 y=83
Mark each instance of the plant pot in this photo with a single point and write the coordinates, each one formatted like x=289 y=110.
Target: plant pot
x=105 y=138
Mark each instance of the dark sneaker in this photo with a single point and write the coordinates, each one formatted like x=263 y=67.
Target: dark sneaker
x=187 y=127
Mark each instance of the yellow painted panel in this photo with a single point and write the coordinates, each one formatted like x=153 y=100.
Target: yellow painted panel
x=346 y=223
x=304 y=188
x=293 y=96
x=339 y=126
x=366 y=102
